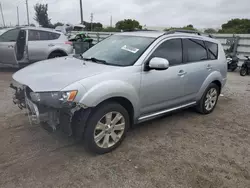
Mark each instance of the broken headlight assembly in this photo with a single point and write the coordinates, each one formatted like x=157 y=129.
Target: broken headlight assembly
x=54 y=99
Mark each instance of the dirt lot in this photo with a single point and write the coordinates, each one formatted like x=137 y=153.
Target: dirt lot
x=184 y=149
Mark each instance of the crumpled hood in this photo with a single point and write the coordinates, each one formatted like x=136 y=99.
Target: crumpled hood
x=56 y=74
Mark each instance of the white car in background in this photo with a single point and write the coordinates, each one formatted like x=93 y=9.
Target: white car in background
x=24 y=45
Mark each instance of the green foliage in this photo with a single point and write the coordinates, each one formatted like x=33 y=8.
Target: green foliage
x=128 y=25
x=109 y=29
x=237 y=26
x=57 y=24
x=210 y=31
x=95 y=26
x=188 y=27
x=41 y=15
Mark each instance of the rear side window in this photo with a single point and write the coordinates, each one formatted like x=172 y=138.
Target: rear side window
x=170 y=50
x=10 y=36
x=36 y=35
x=54 y=36
x=212 y=50
x=195 y=50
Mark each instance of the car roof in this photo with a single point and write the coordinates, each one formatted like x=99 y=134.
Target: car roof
x=42 y=29
x=157 y=34
x=151 y=34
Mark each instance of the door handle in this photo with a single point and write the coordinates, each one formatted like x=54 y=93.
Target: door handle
x=50 y=45
x=10 y=46
x=209 y=67
x=182 y=73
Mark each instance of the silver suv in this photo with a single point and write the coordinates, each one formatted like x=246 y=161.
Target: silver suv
x=24 y=45
x=126 y=79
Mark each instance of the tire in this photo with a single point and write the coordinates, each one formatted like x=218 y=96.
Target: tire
x=96 y=127
x=201 y=107
x=243 y=71
x=55 y=55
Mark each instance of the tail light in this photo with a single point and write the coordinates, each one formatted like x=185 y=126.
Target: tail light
x=68 y=42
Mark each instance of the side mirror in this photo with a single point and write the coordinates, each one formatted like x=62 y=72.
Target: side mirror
x=158 y=63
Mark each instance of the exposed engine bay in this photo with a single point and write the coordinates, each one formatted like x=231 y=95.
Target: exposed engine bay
x=56 y=113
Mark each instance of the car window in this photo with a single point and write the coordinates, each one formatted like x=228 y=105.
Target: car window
x=119 y=50
x=212 y=50
x=10 y=36
x=54 y=36
x=195 y=50
x=36 y=35
x=170 y=50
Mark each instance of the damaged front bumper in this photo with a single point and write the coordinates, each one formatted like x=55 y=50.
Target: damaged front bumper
x=56 y=114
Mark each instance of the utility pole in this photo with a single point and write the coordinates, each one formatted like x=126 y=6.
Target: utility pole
x=2 y=14
x=17 y=16
x=27 y=9
x=81 y=12
x=111 y=20
x=91 y=20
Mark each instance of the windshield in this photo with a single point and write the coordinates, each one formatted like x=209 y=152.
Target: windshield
x=119 y=50
x=3 y=31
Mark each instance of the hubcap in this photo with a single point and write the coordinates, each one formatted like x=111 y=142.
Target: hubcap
x=244 y=71
x=109 y=129
x=211 y=99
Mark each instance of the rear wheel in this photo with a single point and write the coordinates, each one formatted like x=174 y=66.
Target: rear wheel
x=209 y=99
x=106 y=128
x=55 y=55
x=243 y=71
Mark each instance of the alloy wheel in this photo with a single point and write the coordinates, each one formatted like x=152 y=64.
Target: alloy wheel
x=109 y=130
x=211 y=99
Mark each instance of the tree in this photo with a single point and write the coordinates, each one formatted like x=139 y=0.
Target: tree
x=188 y=27
x=237 y=26
x=128 y=25
x=95 y=26
x=210 y=31
x=41 y=15
x=57 y=24
x=109 y=29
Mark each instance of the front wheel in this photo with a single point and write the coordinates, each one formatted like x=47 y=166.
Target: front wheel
x=243 y=71
x=209 y=99
x=106 y=128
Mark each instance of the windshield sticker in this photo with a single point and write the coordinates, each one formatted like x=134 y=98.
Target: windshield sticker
x=130 y=49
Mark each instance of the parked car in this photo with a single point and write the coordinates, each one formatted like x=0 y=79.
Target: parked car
x=126 y=79
x=245 y=68
x=24 y=45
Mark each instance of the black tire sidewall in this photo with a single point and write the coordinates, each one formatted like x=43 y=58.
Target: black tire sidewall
x=95 y=116
x=201 y=105
x=54 y=55
x=243 y=69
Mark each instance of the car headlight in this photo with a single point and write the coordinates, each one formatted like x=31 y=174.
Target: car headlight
x=53 y=98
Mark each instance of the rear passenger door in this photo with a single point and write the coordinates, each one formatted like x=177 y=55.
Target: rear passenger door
x=198 y=65
x=39 y=44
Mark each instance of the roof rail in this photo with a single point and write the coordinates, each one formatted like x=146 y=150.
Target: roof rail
x=187 y=31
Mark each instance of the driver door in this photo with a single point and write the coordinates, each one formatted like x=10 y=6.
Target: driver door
x=164 y=89
x=7 y=47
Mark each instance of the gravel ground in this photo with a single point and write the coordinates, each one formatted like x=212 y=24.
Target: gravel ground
x=184 y=149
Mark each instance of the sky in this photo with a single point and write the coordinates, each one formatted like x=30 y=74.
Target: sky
x=152 y=13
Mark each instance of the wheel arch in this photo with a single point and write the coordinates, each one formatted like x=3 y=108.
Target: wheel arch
x=124 y=102
x=215 y=78
x=57 y=51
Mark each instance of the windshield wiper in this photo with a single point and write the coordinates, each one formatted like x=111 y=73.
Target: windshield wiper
x=95 y=60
